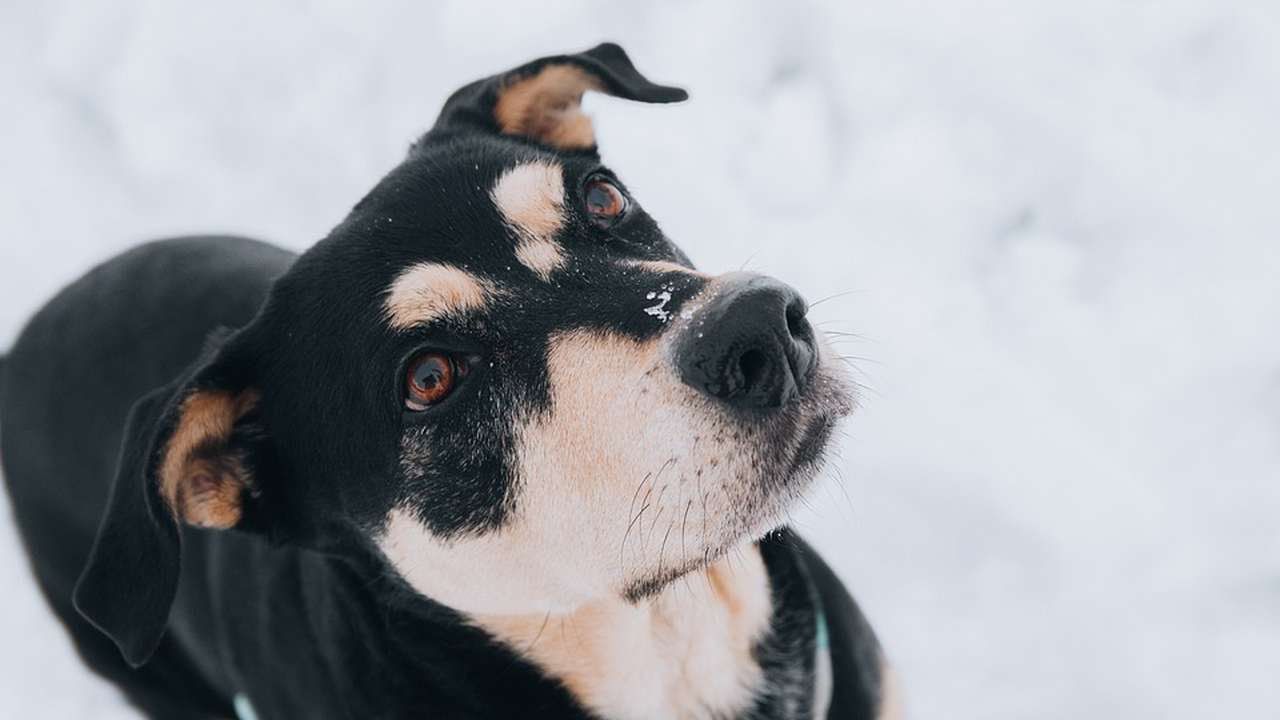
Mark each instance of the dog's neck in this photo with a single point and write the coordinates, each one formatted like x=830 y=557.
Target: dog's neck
x=686 y=653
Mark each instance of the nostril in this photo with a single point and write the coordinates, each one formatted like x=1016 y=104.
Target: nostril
x=802 y=350
x=753 y=364
x=797 y=325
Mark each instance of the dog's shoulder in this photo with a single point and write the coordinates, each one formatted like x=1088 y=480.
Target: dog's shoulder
x=174 y=277
x=149 y=308
x=185 y=272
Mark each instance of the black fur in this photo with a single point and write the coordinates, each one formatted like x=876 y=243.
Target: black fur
x=295 y=607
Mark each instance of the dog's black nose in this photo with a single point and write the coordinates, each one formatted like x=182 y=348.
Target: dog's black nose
x=750 y=346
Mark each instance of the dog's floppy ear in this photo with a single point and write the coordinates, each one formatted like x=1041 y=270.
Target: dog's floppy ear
x=189 y=455
x=542 y=100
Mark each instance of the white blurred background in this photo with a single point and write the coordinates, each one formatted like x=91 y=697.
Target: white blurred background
x=1055 y=227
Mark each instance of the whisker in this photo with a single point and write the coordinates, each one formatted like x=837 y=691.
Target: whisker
x=684 y=524
x=622 y=550
x=840 y=484
x=662 y=550
x=545 y=620
x=842 y=334
x=859 y=358
x=816 y=303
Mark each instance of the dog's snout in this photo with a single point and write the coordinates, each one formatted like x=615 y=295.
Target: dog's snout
x=751 y=345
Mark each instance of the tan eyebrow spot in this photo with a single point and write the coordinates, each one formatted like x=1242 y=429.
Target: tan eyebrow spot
x=541 y=256
x=663 y=266
x=428 y=291
x=531 y=200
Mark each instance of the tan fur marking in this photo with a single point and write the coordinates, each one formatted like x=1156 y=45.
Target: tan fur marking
x=429 y=291
x=541 y=256
x=531 y=200
x=890 y=695
x=205 y=490
x=663 y=266
x=547 y=107
x=684 y=654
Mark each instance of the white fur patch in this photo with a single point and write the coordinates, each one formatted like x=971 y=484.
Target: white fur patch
x=531 y=200
x=429 y=291
x=632 y=472
x=684 y=654
x=502 y=572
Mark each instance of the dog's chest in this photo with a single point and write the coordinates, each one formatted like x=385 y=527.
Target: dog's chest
x=686 y=654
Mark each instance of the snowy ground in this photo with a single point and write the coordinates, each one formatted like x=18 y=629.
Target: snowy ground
x=1057 y=227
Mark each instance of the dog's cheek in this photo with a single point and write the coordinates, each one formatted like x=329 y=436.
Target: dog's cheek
x=454 y=477
x=457 y=533
x=503 y=572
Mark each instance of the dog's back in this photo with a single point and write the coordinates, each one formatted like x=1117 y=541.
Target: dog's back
x=123 y=329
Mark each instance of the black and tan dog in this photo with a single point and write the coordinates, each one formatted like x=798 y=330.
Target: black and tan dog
x=492 y=449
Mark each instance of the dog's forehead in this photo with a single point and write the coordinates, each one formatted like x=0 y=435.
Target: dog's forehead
x=484 y=203
x=487 y=236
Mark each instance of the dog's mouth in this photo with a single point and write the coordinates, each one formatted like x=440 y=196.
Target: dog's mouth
x=794 y=447
x=788 y=464
x=816 y=413
x=788 y=451
x=811 y=449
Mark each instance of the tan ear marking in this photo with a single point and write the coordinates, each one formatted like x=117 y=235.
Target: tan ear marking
x=547 y=107
x=199 y=478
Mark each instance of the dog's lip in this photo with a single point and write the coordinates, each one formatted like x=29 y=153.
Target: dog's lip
x=812 y=443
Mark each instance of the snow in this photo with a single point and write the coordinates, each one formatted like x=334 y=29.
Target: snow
x=659 y=309
x=1051 y=225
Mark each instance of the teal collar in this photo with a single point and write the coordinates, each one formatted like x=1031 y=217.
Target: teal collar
x=822 y=639
x=823 y=680
x=244 y=710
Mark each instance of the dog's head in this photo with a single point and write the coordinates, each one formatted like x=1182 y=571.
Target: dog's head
x=498 y=372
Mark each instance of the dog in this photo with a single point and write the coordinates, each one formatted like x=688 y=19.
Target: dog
x=493 y=448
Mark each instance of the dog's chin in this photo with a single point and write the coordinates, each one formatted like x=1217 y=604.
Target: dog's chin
x=797 y=457
x=797 y=451
x=767 y=499
x=793 y=475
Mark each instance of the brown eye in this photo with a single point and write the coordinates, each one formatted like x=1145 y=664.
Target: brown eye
x=430 y=378
x=605 y=202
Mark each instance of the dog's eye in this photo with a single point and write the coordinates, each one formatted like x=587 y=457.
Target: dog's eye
x=605 y=202
x=430 y=378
